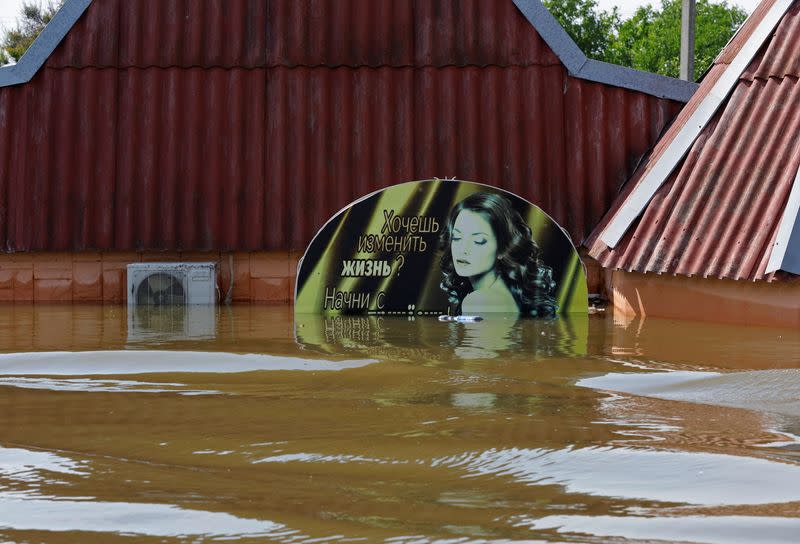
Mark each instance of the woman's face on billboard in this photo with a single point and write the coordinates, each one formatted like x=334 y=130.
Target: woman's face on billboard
x=473 y=244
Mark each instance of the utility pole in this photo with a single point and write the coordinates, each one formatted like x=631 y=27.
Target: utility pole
x=688 y=17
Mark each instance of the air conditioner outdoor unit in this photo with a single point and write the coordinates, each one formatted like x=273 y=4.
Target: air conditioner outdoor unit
x=162 y=284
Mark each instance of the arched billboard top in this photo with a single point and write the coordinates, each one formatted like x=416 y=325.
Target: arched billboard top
x=441 y=247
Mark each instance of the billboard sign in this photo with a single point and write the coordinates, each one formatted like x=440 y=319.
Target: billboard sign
x=441 y=247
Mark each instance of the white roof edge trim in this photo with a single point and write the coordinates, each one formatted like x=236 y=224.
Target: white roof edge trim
x=44 y=45
x=677 y=149
x=784 y=236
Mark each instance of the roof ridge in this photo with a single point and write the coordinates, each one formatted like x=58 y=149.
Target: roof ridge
x=568 y=53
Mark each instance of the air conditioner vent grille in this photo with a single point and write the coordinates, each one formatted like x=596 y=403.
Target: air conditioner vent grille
x=160 y=290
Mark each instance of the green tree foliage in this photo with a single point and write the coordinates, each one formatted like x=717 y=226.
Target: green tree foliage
x=34 y=16
x=650 y=39
x=592 y=28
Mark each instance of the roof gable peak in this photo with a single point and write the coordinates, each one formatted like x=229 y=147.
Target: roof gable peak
x=570 y=55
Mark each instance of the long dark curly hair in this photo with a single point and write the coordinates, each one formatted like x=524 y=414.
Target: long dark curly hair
x=518 y=260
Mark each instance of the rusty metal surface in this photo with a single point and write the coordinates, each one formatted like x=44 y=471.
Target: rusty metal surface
x=782 y=57
x=718 y=213
x=259 y=33
x=148 y=129
x=749 y=27
x=182 y=33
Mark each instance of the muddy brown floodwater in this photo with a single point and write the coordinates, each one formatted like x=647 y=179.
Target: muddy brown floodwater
x=240 y=424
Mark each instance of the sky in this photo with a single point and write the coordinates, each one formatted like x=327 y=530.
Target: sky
x=9 y=9
x=627 y=7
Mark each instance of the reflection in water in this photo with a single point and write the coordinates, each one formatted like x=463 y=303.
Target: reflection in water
x=677 y=344
x=474 y=401
x=161 y=323
x=129 y=518
x=98 y=363
x=485 y=339
x=79 y=327
x=393 y=430
x=22 y=511
x=705 y=479
x=103 y=386
x=35 y=466
x=320 y=458
x=776 y=391
x=495 y=336
x=712 y=530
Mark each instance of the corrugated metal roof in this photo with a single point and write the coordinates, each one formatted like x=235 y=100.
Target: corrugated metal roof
x=398 y=33
x=169 y=125
x=258 y=33
x=718 y=213
x=681 y=139
x=749 y=27
x=782 y=56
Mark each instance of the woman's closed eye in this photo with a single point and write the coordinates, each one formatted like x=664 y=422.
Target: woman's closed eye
x=480 y=241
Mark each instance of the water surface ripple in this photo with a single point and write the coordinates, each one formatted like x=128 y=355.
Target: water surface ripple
x=242 y=424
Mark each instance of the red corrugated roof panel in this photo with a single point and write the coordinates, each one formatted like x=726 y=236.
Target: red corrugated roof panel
x=258 y=33
x=718 y=212
x=782 y=57
x=244 y=125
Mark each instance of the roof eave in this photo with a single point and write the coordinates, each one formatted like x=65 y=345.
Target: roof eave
x=785 y=251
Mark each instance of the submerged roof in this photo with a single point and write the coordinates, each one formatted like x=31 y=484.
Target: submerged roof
x=717 y=199
x=247 y=123
x=568 y=53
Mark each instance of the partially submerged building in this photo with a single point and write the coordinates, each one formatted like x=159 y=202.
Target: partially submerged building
x=233 y=129
x=708 y=226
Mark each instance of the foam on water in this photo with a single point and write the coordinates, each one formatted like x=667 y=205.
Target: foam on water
x=710 y=530
x=94 y=363
x=776 y=391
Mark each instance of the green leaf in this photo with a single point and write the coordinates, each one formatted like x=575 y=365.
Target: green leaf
x=34 y=16
x=650 y=39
